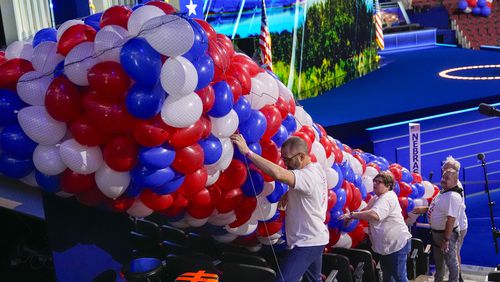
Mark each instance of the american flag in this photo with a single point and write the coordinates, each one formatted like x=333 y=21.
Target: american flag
x=265 y=41
x=378 y=26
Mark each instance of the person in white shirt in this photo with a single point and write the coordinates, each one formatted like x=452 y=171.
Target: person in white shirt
x=389 y=234
x=442 y=215
x=306 y=205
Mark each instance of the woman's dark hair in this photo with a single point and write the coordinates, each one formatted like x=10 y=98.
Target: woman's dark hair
x=386 y=178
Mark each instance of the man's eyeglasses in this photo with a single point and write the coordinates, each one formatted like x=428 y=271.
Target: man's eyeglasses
x=377 y=181
x=287 y=160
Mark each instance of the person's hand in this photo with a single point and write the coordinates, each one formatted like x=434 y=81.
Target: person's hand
x=240 y=143
x=345 y=216
x=445 y=246
x=420 y=210
x=283 y=202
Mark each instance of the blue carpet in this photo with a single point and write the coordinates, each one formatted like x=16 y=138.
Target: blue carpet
x=408 y=81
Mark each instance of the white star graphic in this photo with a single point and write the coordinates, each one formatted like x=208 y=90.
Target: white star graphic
x=192 y=8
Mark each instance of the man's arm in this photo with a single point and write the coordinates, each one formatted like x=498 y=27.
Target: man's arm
x=275 y=171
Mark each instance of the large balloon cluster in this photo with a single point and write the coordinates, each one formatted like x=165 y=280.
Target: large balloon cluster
x=132 y=110
x=477 y=7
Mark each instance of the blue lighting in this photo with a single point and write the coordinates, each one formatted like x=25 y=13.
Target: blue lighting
x=410 y=39
x=427 y=118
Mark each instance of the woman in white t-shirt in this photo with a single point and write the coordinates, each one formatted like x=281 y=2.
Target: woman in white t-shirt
x=388 y=232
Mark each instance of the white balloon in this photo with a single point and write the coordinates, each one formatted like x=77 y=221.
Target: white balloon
x=254 y=248
x=302 y=117
x=32 y=87
x=268 y=189
x=213 y=176
x=265 y=210
x=368 y=182
x=67 y=24
x=344 y=241
x=177 y=30
x=319 y=152
x=19 y=49
x=30 y=180
x=78 y=62
x=63 y=194
x=362 y=206
x=45 y=57
x=332 y=177
x=108 y=43
x=182 y=224
x=246 y=228
x=268 y=240
x=264 y=91
x=139 y=209
x=356 y=166
x=140 y=16
x=330 y=160
x=47 y=160
x=429 y=189
x=195 y=222
x=285 y=92
x=225 y=126
x=178 y=76
x=370 y=172
x=183 y=111
x=79 y=158
x=40 y=126
x=112 y=183
x=226 y=157
x=225 y=238
x=221 y=219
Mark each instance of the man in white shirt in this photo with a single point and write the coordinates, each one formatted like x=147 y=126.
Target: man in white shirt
x=442 y=214
x=306 y=205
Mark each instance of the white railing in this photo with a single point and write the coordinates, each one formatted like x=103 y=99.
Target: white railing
x=31 y=16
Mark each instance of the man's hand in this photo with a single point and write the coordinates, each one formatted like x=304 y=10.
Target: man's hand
x=445 y=246
x=283 y=202
x=240 y=143
x=345 y=216
x=420 y=210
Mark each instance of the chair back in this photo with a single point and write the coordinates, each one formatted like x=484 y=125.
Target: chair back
x=176 y=265
x=147 y=228
x=228 y=257
x=337 y=262
x=240 y=272
x=494 y=276
x=172 y=234
x=143 y=270
x=357 y=256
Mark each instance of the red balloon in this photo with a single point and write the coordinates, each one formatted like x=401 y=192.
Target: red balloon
x=200 y=205
x=368 y=197
x=241 y=74
x=109 y=79
x=235 y=86
x=207 y=96
x=291 y=106
x=249 y=64
x=417 y=178
x=188 y=159
x=108 y=116
x=334 y=236
x=361 y=160
x=348 y=193
x=11 y=70
x=322 y=130
x=374 y=165
x=332 y=199
x=273 y=118
x=403 y=202
x=246 y=207
x=91 y=198
x=193 y=183
x=233 y=177
x=398 y=175
x=86 y=133
x=149 y=133
x=226 y=43
x=73 y=36
x=183 y=137
x=211 y=34
x=313 y=157
x=167 y=8
x=357 y=235
x=116 y=15
x=396 y=165
x=347 y=148
x=63 y=101
x=156 y=202
x=269 y=150
x=207 y=126
x=337 y=152
x=2 y=57
x=229 y=200
x=404 y=189
x=327 y=144
x=356 y=198
x=265 y=229
x=121 y=204
x=74 y=183
x=282 y=106
x=305 y=137
x=309 y=131
x=120 y=152
x=221 y=62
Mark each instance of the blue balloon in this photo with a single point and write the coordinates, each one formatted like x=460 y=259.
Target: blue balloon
x=357 y=180
x=45 y=34
x=144 y=101
x=316 y=128
x=275 y=217
x=280 y=137
x=462 y=5
x=137 y=6
x=171 y=186
x=94 y=21
x=243 y=109
x=200 y=44
x=16 y=143
x=351 y=226
x=411 y=205
x=279 y=189
x=481 y=3
x=406 y=175
x=141 y=62
x=421 y=189
x=254 y=184
x=10 y=104
x=212 y=149
x=253 y=129
x=15 y=168
x=485 y=11
x=362 y=189
x=133 y=190
x=59 y=70
x=341 y=199
x=347 y=172
x=223 y=103
x=337 y=168
x=156 y=157
x=339 y=144
x=396 y=188
x=254 y=147
x=145 y=177
x=204 y=66
x=414 y=192
x=289 y=123
x=48 y=183
x=334 y=219
x=140 y=265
